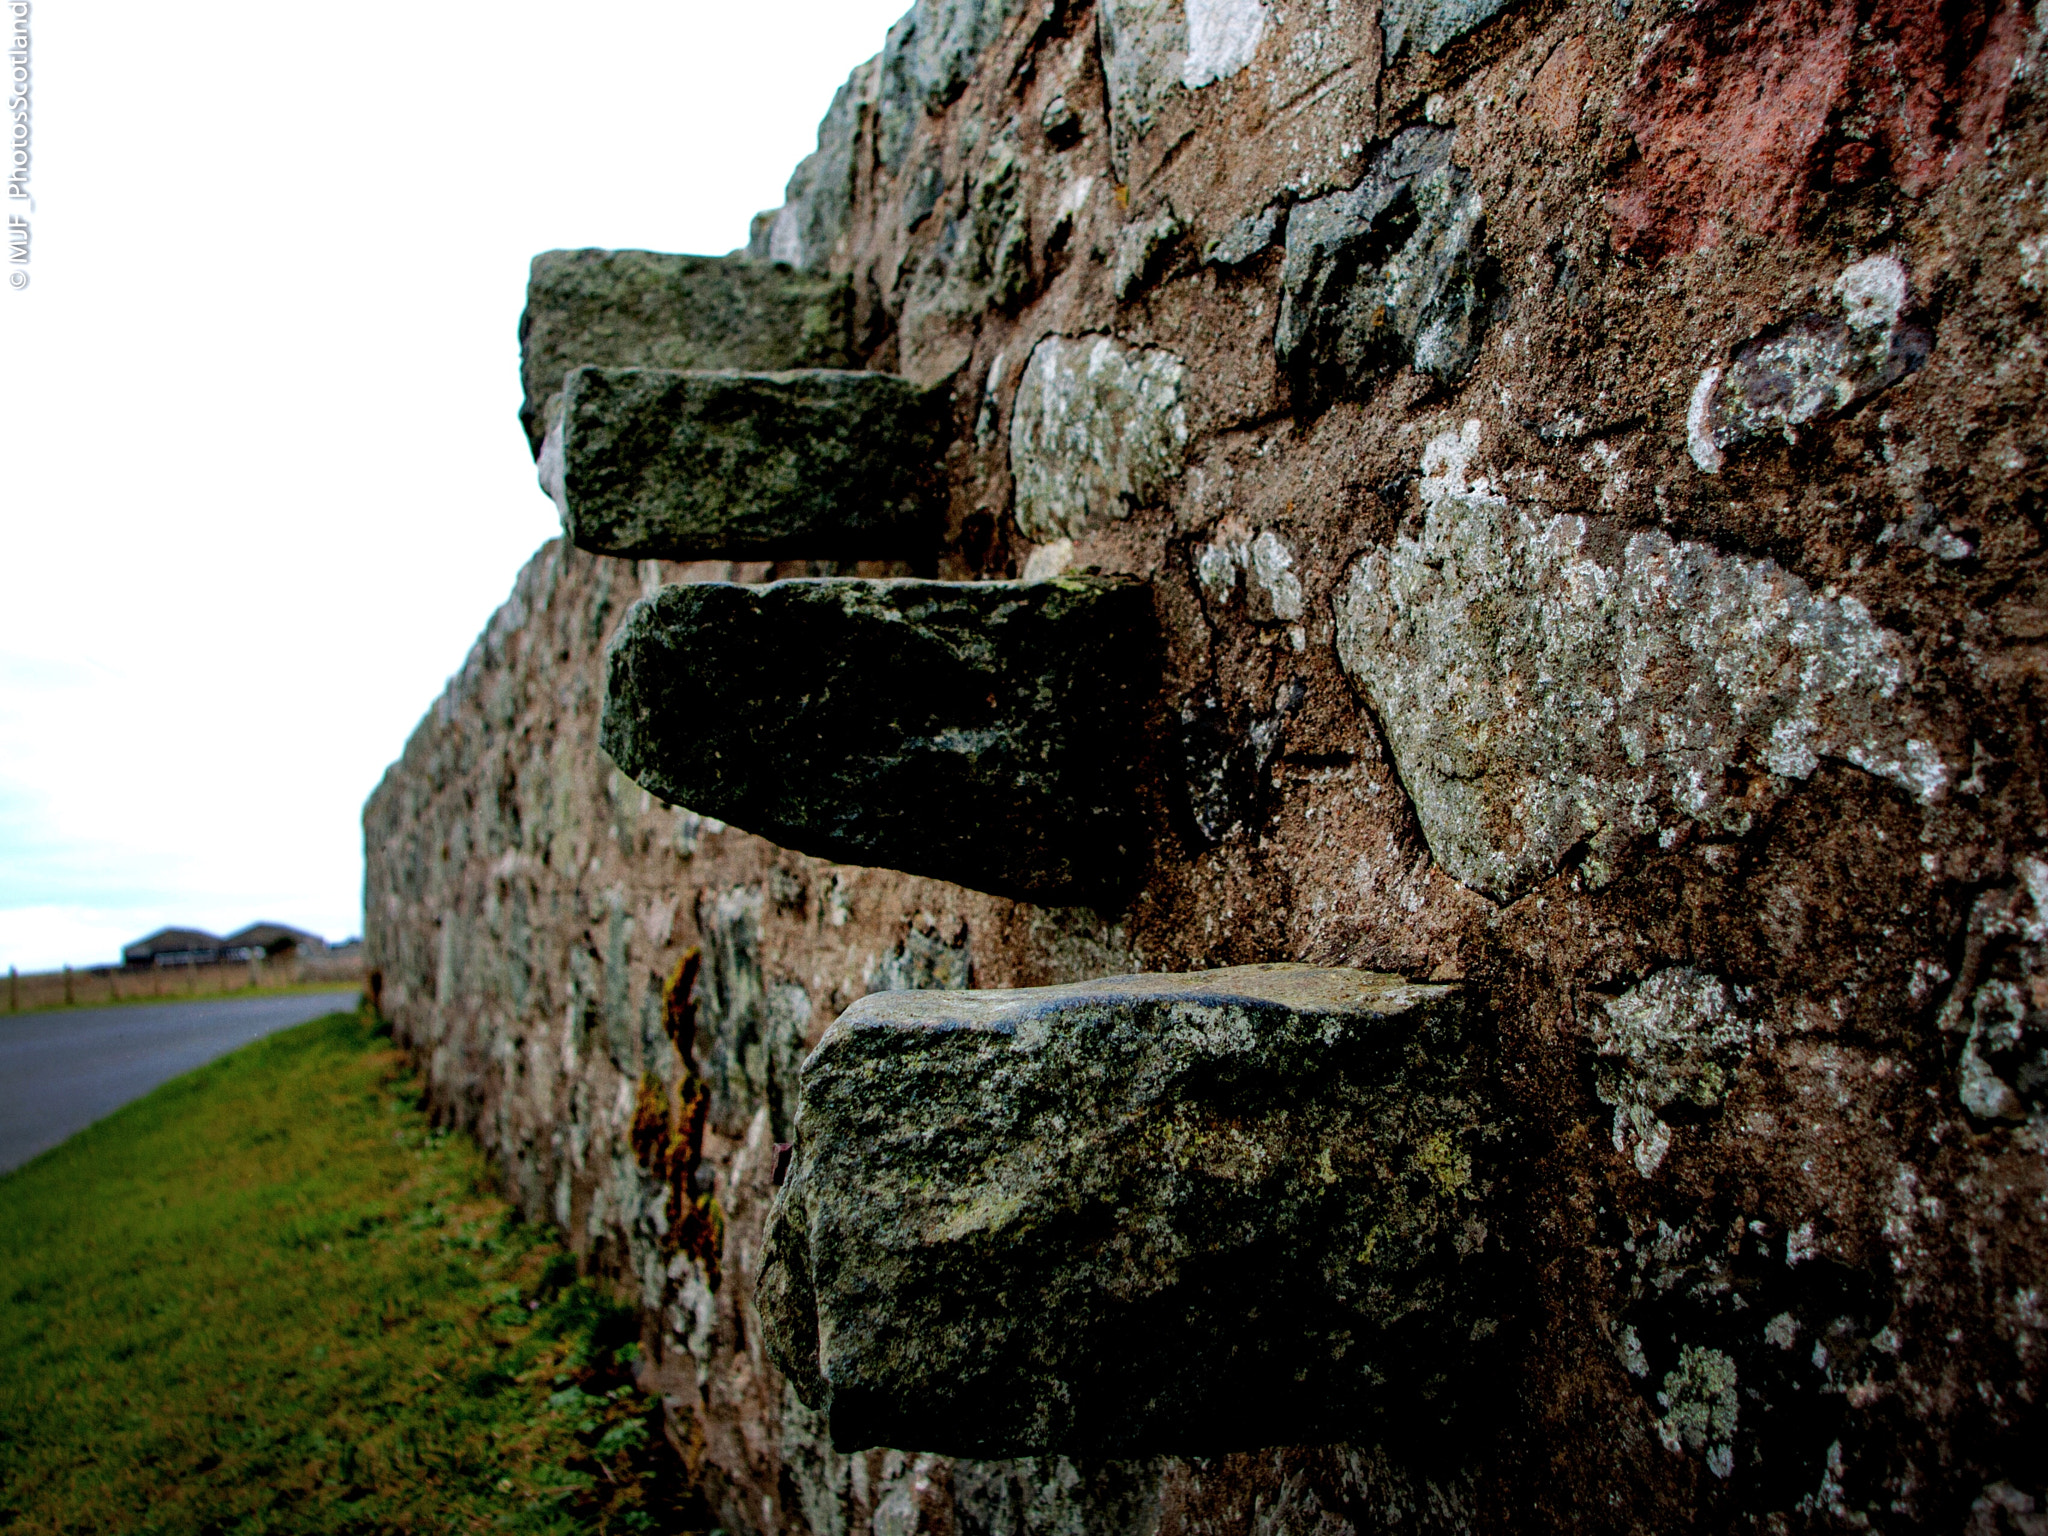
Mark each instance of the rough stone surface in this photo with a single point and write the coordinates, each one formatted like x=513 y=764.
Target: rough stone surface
x=1181 y=1213
x=1096 y=432
x=1818 y=365
x=1144 y=55
x=1820 y=1311
x=927 y=62
x=978 y=732
x=1429 y=25
x=818 y=464
x=1386 y=274
x=1548 y=684
x=1223 y=39
x=1675 y=1039
x=640 y=309
x=1742 y=114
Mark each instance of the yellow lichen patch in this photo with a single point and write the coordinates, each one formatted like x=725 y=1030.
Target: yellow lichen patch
x=1448 y=1165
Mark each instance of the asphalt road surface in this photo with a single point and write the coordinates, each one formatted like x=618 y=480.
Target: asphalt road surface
x=59 y=1072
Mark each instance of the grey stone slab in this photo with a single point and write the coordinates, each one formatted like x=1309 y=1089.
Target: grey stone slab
x=1172 y=1214
x=980 y=732
x=1386 y=274
x=1430 y=25
x=647 y=309
x=814 y=464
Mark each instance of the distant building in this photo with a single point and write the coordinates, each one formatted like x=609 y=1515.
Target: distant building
x=174 y=946
x=194 y=946
x=269 y=941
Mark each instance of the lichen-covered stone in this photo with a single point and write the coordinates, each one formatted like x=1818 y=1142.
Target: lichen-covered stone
x=1153 y=49
x=1999 y=1005
x=1097 y=431
x=1386 y=274
x=1140 y=249
x=643 y=309
x=1144 y=50
x=1157 y=1213
x=1246 y=239
x=979 y=732
x=750 y=1031
x=1223 y=38
x=1550 y=681
x=1676 y=1038
x=815 y=464
x=927 y=61
x=1427 y=26
x=1816 y=366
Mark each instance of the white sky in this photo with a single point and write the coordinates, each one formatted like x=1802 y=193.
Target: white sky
x=261 y=473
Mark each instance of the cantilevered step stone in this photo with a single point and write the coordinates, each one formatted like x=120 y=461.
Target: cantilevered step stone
x=1168 y=1214
x=813 y=464
x=647 y=309
x=980 y=732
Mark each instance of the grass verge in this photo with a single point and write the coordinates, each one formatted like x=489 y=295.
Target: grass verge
x=271 y=1297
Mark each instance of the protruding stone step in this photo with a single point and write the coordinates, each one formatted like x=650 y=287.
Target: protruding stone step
x=1166 y=1214
x=818 y=464
x=645 y=309
x=979 y=732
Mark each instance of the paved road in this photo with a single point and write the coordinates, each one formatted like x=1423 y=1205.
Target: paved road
x=59 y=1072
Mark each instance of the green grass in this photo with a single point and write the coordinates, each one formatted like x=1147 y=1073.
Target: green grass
x=270 y=1297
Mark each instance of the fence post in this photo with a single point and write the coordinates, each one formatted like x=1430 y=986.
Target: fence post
x=67 y=986
x=13 y=990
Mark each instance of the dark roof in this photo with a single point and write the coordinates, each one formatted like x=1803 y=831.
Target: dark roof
x=168 y=941
x=268 y=935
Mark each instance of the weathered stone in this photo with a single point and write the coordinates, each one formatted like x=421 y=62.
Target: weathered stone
x=1144 y=50
x=1817 y=366
x=1676 y=1038
x=1429 y=25
x=927 y=62
x=1223 y=38
x=1247 y=239
x=1386 y=274
x=1740 y=116
x=979 y=732
x=642 y=309
x=1141 y=248
x=1097 y=431
x=1999 y=1004
x=750 y=1030
x=1550 y=681
x=818 y=464
x=1154 y=49
x=1272 y=583
x=1156 y=1213
x=1823 y=1307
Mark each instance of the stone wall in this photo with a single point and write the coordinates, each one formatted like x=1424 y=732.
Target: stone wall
x=1587 y=458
